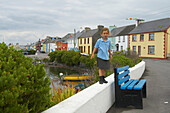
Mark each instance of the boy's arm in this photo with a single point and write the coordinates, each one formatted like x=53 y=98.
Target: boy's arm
x=94 y=50
x=110 y=54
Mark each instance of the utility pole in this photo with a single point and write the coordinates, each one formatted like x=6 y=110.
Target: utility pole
x=74 y=38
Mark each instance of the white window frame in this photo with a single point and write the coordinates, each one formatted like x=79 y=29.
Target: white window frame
x=151 y=49
x=134 y=38
x=151 y=36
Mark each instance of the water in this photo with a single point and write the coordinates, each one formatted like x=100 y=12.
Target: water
x=53 y=73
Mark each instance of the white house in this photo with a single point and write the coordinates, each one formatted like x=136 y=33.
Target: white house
x=52 y=45
x=70 y=41
x=120 y=37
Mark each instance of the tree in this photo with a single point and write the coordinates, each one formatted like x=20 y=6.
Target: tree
x=23 y=86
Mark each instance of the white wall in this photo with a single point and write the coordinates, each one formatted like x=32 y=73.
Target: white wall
x=52 y=46
x=97 y=98
x=71 y=43
x=121 y=43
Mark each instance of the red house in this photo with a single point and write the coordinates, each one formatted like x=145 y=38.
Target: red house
x=59 y=44
x=64 y=46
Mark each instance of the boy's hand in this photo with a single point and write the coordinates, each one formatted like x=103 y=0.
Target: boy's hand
x=110 y=57
x=92 y=56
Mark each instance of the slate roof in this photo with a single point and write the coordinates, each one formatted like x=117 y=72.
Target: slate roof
x=88 y=33
x=120 y=31
x=152 y=26
x=127 y=30
x=68 y=36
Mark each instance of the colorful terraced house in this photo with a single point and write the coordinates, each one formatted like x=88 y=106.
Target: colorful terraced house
x=151 y=39
x=88 y=39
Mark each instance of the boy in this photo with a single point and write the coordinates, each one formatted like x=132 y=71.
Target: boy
x=103 y=44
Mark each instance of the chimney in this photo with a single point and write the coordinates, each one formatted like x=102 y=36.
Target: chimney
x=112 y=27
x=87 y=28
x=100 y=27
x=139 y=21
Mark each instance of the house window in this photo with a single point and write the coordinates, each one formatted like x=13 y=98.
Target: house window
x=121 y=48
x=142 y=37
x=151 y=49
x=134 y=38
x=134 y=48
x=123 y=38
x=88 y=40
x=85 y=41
x=151 y=36
x=80 y=41
x=84 y=49
x=119 y=39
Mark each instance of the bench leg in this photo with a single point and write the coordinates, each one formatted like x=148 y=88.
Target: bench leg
x=137 y=100
x=144 y=91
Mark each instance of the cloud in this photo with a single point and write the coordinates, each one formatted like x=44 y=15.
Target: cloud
x=21 y=19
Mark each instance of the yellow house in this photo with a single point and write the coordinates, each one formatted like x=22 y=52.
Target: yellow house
x=151 y=39
x=88 y=39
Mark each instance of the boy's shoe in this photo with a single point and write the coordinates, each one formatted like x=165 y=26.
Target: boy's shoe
x=101 y=80
x=104 y=81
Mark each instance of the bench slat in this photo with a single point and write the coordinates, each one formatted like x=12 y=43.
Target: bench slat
x=124 y=79
x=140 y=85
x=122 y=68
x=123 y=74
x=132 y=84
x=126 y=84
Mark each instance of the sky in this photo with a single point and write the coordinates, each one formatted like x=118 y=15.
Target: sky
x=27 y=21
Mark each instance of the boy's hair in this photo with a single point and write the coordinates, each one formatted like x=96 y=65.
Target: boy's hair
x=105 y=29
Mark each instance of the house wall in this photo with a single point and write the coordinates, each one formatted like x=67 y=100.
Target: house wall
x=64 y=46
x=44 y=47
x=168 y=42
x=158 y=43
x=71 y=43
x=122 y=42
x=59 y=45
x=113 y=40
x=41 y=46
x=52 y=47
x=85 y=45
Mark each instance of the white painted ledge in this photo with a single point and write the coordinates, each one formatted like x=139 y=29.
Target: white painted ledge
x=97 y=98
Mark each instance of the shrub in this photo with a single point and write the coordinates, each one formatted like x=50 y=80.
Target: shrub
x=70 y=58
x=121 y=60
x=61 y=94
x=23 y=86
x=45 y=60
x=56 y=56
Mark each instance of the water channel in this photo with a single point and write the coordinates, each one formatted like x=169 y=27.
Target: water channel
x=54 y=75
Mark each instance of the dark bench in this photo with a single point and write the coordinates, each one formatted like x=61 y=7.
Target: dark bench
x=128 y=91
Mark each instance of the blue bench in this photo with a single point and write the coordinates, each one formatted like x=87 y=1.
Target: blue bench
x=128 y=91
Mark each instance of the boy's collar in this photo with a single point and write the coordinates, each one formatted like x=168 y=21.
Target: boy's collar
x=103 y=40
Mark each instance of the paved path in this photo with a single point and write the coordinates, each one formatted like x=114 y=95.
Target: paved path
x=157 y=74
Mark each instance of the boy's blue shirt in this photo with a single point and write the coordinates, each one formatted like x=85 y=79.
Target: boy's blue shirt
x=103 y=48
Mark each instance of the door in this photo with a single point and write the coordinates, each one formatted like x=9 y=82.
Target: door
x=139 y=50
x=88 y=49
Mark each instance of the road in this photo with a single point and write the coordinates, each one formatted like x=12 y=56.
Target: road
x=157 y=74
